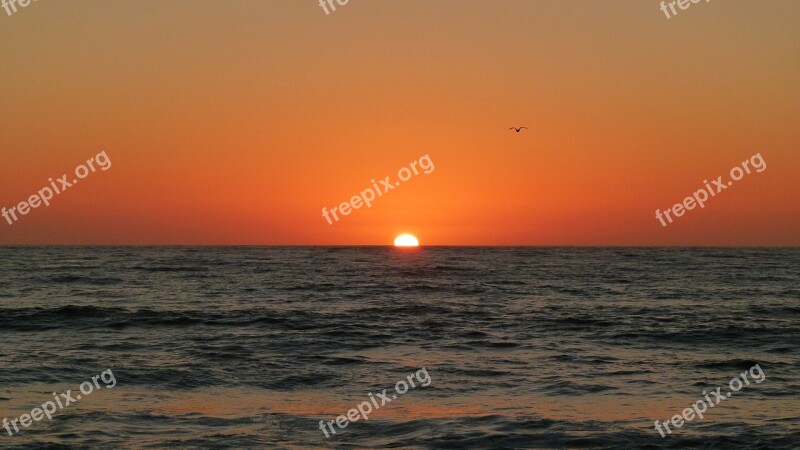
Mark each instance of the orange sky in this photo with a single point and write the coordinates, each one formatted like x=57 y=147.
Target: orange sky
x=236 y=122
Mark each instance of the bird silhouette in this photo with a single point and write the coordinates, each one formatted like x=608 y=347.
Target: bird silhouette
x=517 y=129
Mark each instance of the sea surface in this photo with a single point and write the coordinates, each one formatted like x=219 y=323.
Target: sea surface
x=251 y=347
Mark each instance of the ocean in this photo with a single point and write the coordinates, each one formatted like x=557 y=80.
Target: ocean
x=251 y=347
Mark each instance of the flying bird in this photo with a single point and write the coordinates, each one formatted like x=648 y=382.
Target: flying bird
x=517 y=129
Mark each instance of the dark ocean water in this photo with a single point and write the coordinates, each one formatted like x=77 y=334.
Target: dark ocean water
x=525 y=347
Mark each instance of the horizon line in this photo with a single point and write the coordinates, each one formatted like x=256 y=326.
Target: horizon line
x=392 y=246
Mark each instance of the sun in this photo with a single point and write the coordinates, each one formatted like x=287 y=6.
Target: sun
x=406 y=240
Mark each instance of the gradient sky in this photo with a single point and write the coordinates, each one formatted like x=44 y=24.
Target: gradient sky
x=236 y=122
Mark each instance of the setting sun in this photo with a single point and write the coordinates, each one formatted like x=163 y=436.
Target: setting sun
x=406 y=240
